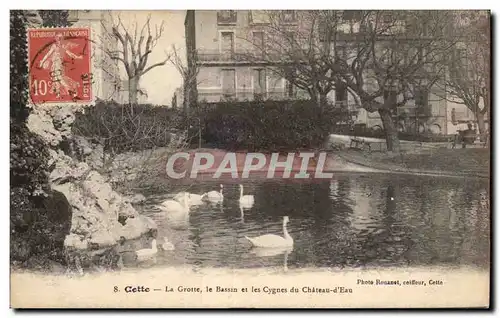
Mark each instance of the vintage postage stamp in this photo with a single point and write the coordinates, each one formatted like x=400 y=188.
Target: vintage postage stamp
x=60 y=68
x=251 y=159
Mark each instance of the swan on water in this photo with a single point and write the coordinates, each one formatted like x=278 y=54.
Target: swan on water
x=193 y=199
x=215 y=196
x=269 y=252
x=147 y=253
x=246 y=201
x=176 y=206
x=272 y=240
x=167 y=245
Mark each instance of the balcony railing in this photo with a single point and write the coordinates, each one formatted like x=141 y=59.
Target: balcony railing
x=241 y=95
x=217 y=56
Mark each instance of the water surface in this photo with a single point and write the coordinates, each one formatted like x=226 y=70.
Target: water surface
x=354 y=221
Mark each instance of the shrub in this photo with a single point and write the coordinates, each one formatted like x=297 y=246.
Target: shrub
x=119 y=131
x=18 y=67
x=28 y=159
x=39 y=217
x=266 y=125
x=38 y=228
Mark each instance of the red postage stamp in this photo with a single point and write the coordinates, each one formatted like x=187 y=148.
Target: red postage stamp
x=60 y=65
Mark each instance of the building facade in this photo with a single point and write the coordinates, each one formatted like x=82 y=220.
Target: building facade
x=218 y=44
x=106 y=72
x=219 y=40
x=430 y=111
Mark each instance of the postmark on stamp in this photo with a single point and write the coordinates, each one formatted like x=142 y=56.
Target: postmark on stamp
x=59 y=62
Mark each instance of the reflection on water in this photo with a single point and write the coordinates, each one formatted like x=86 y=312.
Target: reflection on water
x=350 y=221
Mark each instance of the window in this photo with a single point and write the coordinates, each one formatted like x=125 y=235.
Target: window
x=258 y=17
x=290 y=38
x=288 y=16
x=364 y=27
x=228 y=82
x=341 y=93
x=258 y=42
x=391 y=95
x=389 y=56
x=387 y=17
x=425 y=28
x=227 y=43
x=323 y=31
x=259 y=83
x=226 y=17
x=422 y=96
x=341 y=51
x=351 y=15
x=459 y=58
x=422 y=100
x=289 y=90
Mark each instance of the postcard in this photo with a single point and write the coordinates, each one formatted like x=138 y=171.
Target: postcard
x=250 y=159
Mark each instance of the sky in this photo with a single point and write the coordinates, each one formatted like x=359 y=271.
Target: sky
x=160 y=83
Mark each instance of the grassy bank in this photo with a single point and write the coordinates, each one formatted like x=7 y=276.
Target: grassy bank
x=474 y=161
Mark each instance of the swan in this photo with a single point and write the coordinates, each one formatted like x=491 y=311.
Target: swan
x=176 y=206
x=147 y=253
x=268 y=252
x=246 y=201
x=167 y=245
x=193 y=199
x=214 y=196
x=271 y=240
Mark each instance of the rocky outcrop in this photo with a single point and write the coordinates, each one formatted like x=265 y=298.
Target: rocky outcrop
x=101 y=217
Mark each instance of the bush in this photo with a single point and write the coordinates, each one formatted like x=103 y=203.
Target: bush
x=266 y=125
x=18 y=67
x=40 y=218
x=38 y=227
x=120 y=131
x=28 y=159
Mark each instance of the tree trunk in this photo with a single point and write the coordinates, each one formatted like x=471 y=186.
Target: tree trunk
x=187 y=99
x=480 y=122
x=133 y=86
x=322 y=99
x=318 y=98
x=391 y=132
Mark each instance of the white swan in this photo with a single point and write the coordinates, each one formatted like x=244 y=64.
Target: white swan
x=214 y=196
x=193 y=199
x=246 y=201
x=268 y=252
x=271 y=240
x=176 y=206
x=167 y=245
x=147 y=253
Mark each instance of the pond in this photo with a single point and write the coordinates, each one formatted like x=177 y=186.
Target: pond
x=353 y=220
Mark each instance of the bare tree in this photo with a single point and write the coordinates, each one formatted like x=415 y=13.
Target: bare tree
x=381 y=58
x=394 y=57
x=288 y=42
x=467 y=81
x=189 y=75
x=136 y=47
